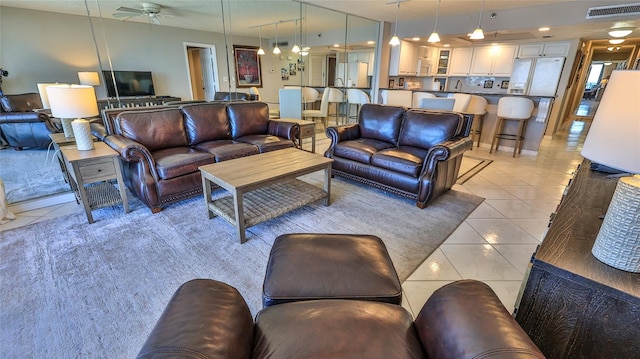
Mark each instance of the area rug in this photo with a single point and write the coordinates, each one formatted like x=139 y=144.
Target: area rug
x=72 y=289
x=30 y=173
x=471 y=166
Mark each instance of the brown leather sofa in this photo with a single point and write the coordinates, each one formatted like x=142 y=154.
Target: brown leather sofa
x=162 y=148
x=415 y=153
x=21 y=126
x=210 y=319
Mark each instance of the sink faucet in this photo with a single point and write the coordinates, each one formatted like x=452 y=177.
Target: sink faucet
x=341 y=80
x=458 y=84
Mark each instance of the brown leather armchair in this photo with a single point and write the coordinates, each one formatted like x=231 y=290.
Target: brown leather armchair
x=21 y=126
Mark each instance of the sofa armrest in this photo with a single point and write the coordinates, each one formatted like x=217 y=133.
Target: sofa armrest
x=341 y=133
x=28 y=117
x=132 y=151
x=288 y=130
x=465 y=319
x=445 y=151
x=204 y=319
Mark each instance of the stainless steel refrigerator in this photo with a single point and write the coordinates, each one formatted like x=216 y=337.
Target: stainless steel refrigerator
x=536 y=76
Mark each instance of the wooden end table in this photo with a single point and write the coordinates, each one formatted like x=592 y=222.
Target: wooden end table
x=90 y=173
x=307 y=129
x=264 y=186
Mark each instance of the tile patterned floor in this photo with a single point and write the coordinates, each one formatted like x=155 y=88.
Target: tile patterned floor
x=496 y=241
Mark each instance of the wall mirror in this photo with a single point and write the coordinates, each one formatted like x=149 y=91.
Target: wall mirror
x=185 y=64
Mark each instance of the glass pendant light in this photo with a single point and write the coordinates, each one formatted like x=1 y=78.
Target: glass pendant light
x=395 y=41
x=296 y=48
x=434 y=37
x=477 y=33
x=260 y=49
x=276 y=49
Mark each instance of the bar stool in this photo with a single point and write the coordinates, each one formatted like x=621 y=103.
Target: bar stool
x=417 y=97
x=336 y=97
x=478 y=108
x=358 y=98
x=512 y=109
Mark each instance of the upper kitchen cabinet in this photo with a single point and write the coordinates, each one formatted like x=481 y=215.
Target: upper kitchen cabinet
x=460 y=62
x=404 y=59
x=495 y=60
x=549 y=49
x=366 y=57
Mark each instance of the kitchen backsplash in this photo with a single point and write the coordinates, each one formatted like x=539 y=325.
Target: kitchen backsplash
x=473 y=84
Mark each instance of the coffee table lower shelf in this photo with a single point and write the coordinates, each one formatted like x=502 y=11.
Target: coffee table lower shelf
x=269 y=202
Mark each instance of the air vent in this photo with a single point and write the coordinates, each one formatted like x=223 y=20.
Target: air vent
x=613 y=10
x=280 y=44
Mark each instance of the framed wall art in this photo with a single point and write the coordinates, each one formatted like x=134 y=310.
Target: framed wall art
x=248 y=69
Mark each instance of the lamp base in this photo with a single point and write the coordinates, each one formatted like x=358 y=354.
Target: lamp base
x=66 y=127
x=618 y=242
x=82 y=130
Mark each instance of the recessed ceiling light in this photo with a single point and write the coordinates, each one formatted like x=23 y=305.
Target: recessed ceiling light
x=446 y=45
x=336 y=45
x=621 y=31
x=544 y=28
x=416 y=39
x=616 y=41
x=370 y=42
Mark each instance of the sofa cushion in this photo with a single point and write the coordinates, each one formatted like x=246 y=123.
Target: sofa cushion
x=248 y=118
x=224 y=150
x=425 y=129
x=380 y=122
x=178 y=161
x=403 y=159
x=336 y=328
x=155 y=129
x=360 y=150
x=206 y=122
x=266 y=143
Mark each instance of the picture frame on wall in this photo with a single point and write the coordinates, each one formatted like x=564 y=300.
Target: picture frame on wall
x=248 y=66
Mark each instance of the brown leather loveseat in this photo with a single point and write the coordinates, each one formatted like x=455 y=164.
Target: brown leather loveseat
x=163 y=148
x=415 y=153
x=462 y=320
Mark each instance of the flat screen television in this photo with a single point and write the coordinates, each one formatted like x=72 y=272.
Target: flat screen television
x=129 y=83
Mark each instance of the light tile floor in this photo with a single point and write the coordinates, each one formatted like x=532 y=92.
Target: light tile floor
x=495 y=243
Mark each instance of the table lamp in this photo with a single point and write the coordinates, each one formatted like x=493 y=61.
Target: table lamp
x=614 y=141
x=74 y=101
x=89 y=78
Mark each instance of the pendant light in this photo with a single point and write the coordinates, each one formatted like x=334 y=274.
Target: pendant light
x=296 y=48
x=260 y=49
x=477 y=33
x=395 y=41
x=276 y=49
x=434 y=37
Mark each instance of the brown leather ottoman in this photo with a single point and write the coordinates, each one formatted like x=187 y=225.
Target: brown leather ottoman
x=330 y=266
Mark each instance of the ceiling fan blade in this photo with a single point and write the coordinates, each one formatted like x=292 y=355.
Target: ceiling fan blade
x=128 y=9
x=155 y=20
x=126 y=15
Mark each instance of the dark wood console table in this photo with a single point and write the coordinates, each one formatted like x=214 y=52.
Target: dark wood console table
x=573 y=305
x=136 y=102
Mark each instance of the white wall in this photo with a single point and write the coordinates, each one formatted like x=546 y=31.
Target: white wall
x=40 y=46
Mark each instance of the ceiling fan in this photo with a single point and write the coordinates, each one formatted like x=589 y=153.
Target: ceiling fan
x=149 y=9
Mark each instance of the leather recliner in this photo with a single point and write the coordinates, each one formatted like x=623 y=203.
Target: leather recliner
x=21 y=126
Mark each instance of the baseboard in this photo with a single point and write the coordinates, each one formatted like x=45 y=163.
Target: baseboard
x=42 y=202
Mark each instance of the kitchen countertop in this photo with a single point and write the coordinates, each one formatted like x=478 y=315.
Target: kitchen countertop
x=469 y=93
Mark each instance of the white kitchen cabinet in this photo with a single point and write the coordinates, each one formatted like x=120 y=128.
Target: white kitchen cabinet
x=549 y=49
x=495 y=60
x=404 y=59
x=460 y=61
x=427 y=57
x=366 y=57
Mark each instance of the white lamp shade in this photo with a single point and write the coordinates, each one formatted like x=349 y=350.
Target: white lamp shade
x=42 y=90
x=89 y=78
x=72 y=101
x=614 y=137
x=477 y=34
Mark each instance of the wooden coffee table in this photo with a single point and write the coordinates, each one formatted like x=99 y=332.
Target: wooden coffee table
x=264 y=186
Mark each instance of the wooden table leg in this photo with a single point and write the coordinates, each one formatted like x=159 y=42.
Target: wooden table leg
x=206 y=190
x=327 y=184
x=240 y=224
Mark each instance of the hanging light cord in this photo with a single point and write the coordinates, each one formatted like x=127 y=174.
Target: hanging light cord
x=395 y=31
x=481 y=9
x=260 y=33
x=435 y=26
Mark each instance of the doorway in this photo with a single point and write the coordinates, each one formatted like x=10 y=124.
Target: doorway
x=331 y=70
x=202 y=68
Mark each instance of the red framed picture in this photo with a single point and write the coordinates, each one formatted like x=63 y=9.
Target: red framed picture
x=248 y=69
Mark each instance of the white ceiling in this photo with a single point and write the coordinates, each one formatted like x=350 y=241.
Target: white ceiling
x=513 y=18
